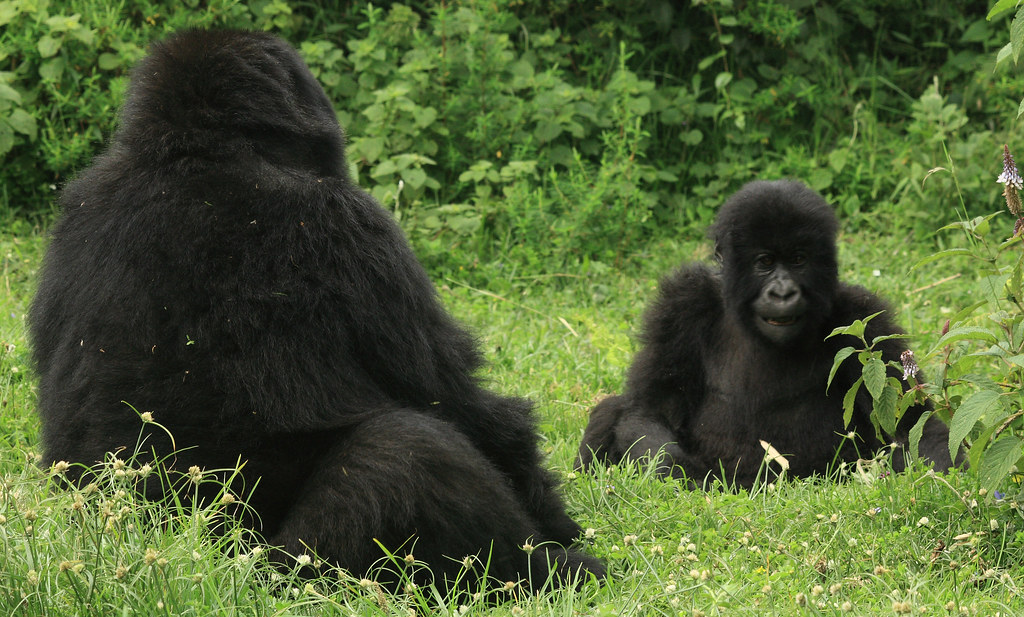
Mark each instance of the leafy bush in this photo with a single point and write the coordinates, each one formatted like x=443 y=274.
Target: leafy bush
x=564 y=131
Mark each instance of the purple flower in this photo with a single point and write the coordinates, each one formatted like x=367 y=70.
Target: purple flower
x=909 y=365
x=1010 y=175
x=998 y=495
x=1011 y=178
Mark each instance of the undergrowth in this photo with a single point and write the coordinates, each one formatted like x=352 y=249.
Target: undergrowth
x=872 y=543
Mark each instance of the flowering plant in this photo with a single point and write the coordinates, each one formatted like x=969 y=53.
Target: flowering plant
x=979 y=385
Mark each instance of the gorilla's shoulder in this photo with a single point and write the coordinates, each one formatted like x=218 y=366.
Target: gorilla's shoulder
x=689 y=299
x=693 y=289
x=854 y=302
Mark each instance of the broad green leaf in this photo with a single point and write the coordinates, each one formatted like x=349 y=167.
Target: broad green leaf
x=967 y=415
x=999 y=459
x=108 y=61
x=841 y=355
x=414 y=177
x=8 y=11
x=547 y=130
x=916 y=432
x=849 y=400
x=999 y=7
x=722 y=80
x=854 y=329
x=884 y=408
x=8 y=93
x=424 y=116
x=692 y=138
x=888 y=337
x=48 y=46
x=708 y=61
x=23 y=122
x=52 y=69
x=1005 y=53
x=371 y=148
x=63 y=23
x=874 y=376
x=386 y=167
x=981 y=442
x=974 y=333
x=1017 y=33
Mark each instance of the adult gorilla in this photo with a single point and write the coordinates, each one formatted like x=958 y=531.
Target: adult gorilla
x=218 y=268
x=734 y=356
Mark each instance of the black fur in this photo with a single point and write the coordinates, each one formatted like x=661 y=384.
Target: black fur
x=737 y=355
x=217 y=268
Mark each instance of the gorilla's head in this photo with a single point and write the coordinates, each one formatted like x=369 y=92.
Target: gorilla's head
x=776 y=243
x=202 y=92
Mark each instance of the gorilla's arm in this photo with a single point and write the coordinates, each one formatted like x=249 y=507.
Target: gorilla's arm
x=666 y=382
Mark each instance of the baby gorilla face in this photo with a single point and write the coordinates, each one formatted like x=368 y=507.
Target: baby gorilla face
x=780 y=307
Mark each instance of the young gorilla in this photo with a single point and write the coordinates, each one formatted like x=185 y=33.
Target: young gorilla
x=734 y=356
x=218 y=268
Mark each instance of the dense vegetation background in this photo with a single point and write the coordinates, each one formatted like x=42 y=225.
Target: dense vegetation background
x=549 y=160
x=555 y=132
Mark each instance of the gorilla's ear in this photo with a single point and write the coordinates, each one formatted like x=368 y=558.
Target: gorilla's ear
x=718 y=253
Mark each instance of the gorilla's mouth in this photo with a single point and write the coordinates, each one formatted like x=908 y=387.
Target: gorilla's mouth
x=781 y=321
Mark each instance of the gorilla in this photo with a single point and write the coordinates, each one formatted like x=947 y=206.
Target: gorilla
x=217 y=268
x=736 y=355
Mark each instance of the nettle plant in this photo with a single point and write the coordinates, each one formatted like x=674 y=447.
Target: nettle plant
x=979 y=388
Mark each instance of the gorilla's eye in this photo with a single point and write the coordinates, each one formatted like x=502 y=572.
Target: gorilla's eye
x=799 y=259
x=766 y=261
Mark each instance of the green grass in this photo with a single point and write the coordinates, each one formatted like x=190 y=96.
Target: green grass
x=872 y=545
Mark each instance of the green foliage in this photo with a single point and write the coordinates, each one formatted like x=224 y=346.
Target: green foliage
x=63 y=77
x=564 y=132
x=981 y=358
x=890 y=401
x=979 y=388
x=1013 y=49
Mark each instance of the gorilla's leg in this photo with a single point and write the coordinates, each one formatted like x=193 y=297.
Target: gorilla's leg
x=599 y=437
x=418 y=486
x=617 y=432
x=502 y=428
